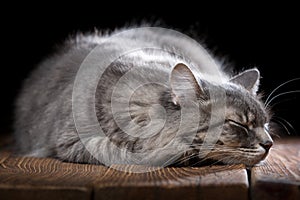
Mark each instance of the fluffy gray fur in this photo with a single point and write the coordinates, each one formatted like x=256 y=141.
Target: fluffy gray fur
x=44 y=123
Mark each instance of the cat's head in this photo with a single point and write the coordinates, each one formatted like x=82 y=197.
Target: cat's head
x=244 y=136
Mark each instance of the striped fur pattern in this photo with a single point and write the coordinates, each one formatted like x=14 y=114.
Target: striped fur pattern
x=44 y=124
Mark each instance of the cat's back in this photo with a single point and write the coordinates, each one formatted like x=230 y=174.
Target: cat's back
x=44 y=102
x=44 y=106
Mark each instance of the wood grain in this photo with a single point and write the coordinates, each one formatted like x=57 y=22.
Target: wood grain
x=215 y=182
x=46 y=178
x=43 y=178
x=279 y=176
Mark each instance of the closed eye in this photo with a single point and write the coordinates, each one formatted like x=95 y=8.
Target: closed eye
x=235 y=123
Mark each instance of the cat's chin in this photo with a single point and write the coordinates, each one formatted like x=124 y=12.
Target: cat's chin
x=257 y=161
x=260 y=162
x=210 y=162
x=249 y=163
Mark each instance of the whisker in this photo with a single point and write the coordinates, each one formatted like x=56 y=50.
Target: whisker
x=181 y=161
x=171 y=160
x=231 y=159
x=224 y=157
x=212 y=156
x=274 y=134
x=285 y=100
x=288 y=123
x=194 y=155
x=278 y=95
x=283 y=125
x=200 y=161
x=281 y=121
x=281 y=85
x=219 y=160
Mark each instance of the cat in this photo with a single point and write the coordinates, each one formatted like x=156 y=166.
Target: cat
x=146 y=96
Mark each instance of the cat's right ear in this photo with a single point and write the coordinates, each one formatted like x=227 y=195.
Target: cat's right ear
x=184 y=85
x=248 y=79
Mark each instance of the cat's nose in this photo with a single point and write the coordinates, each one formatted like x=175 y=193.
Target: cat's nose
x=266 y=145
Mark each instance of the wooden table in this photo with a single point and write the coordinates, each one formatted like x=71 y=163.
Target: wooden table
x=46 y=178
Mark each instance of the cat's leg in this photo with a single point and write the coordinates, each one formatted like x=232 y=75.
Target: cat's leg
x=40 y=153
x=71 y=149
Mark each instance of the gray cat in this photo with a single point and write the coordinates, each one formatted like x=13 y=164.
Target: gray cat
x=161 y=99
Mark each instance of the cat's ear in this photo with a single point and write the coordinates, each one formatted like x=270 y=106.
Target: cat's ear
x=183 y=84
x=249 y=79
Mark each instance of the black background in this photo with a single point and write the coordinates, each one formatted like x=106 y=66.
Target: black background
x=249 y=35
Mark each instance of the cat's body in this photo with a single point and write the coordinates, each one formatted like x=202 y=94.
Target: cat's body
x=142 y=129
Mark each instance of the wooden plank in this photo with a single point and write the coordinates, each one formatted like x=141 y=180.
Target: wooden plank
x=279 y=176
x=24 y=192
x=47 y=172
x=215 y=182
x=46 y=178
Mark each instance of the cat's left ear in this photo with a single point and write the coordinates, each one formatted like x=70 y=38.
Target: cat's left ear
x=184 y=84
x=249 y=79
